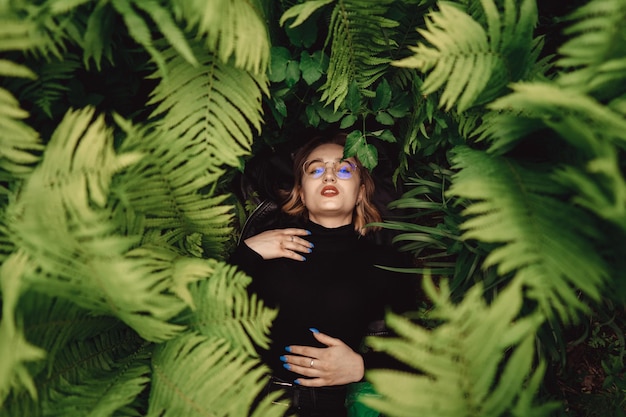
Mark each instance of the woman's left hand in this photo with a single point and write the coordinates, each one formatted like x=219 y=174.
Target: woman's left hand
x=336 y=364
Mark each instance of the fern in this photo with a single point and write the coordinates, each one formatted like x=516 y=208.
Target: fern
x=74 y=242
x=197 y=376
x=595 y=54
x=19 y=143
x=224 y=310
x=544 y=239
x=232 y=29
x=141 y=31
x=358 y=44
x=15 y=349
x=159 y=198
x=99 y=376
x=51 y=85
x=210 y=107
x=484 y=351
x=474 y=64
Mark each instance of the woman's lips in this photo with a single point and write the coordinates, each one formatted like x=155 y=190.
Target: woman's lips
x=329 y=191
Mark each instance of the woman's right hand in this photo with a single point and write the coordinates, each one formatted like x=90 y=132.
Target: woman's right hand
x=281 y=243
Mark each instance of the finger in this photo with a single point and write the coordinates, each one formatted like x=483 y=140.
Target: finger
x=292 y=231
x=325 y=339
x=292 y=240
x=304 y=351
x=311 y=382
x=302 y=362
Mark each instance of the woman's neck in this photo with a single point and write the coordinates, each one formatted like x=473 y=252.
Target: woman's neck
x=330 y=222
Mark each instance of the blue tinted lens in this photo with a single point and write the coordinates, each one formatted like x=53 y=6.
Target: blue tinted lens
x=318 y=172
x=343 y=170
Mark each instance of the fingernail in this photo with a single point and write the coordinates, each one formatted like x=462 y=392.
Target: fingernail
x=297 y=382
x=303 y=258
x=287 y=366
x=312 y=245
x=288 y=348
x=309 y=250
x=308 y=232
x=314 y=330
x=283 y=359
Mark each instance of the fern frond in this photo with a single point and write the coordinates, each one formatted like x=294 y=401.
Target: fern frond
x=15 y=32
x=141 y=31
x=560 y=109
x=106 y=381
x=49 y=32
x=211 y=106
x=14 y=348
x=601 y=185
x=485 y=351
x=595 y=56
x=232 y=29
x=543 y=238
x=74 y=241
x=160 y=196
x=51 y=84
x=197 y=376
x=20 y=145
x=359 y=46
x=474 y=64
x=224 y=310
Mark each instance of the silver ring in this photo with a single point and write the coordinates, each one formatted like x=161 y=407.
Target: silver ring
x=311 y=364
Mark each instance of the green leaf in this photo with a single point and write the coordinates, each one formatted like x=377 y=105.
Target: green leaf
x=292 y=73
x=304 y=34
x=357 y=145
x=312 y=115
x=384 y=118
x=348 y=121
x=302 y=11
x=328 y=114
x=353 y=98
x=383 y=96
x=386 y=135
x=278 y=65
x=312 y=66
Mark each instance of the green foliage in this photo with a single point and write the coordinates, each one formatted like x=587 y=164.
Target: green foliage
x=484 y=351
x=124 y=123
x=547 y=242
x=498 y=53
x=210 y=376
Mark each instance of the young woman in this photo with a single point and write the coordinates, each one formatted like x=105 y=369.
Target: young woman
x=320 y=269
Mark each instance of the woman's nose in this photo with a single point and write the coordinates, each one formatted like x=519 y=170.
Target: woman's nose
x=329 y=175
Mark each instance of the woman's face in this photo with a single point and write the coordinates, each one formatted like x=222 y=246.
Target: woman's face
x=331 y=198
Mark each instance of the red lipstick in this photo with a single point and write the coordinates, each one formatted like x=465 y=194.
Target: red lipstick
x=329 y=191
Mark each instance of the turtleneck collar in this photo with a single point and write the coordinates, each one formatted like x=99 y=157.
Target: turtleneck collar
x=342 y=237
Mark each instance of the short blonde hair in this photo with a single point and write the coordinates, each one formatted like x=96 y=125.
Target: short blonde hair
x=365 y=211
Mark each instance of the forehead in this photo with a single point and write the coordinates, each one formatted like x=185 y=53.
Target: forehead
x=327 y=152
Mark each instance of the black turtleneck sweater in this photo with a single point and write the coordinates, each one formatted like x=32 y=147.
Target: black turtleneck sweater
x=339 y=289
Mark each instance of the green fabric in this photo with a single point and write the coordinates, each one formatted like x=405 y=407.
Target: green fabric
x=356 y=392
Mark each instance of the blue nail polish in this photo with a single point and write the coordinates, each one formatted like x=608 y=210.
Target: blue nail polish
x=287 y=366
x=297 y=382
x=283 y=359
x=303 y=258
x=288 y=348
x=308 y=232
x=309 y=250
x=312 y=245
x=314 y=330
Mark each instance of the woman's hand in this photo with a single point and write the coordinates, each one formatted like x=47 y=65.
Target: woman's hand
x=335 y=364
x=280 y=243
